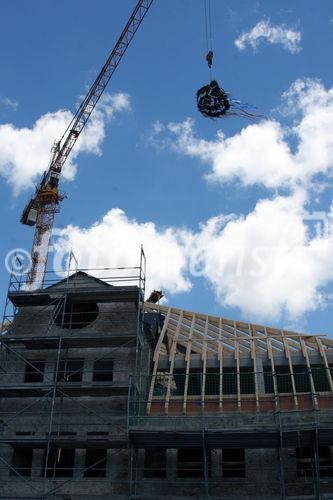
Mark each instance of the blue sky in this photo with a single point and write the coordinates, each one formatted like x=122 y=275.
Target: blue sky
x=226 y=209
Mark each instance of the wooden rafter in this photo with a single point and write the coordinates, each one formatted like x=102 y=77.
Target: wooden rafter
x=190 y=335
x=209 y=332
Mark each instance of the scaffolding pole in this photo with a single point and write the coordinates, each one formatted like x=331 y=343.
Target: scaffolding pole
x=55 y=392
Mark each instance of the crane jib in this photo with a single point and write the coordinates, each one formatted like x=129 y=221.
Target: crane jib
x=87 y=106
x=43 y=205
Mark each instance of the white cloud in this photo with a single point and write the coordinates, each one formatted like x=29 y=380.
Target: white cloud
x=6 y=102
x=290 y=39
x=268 y=264
x=260 y=153
x=25 y=152
x=115 y=242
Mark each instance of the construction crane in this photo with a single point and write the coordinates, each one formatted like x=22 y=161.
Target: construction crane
x=43 y=206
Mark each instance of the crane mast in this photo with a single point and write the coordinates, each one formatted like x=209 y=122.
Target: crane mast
x=41 y=209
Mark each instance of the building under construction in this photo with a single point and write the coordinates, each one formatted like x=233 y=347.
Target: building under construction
x=106 y=396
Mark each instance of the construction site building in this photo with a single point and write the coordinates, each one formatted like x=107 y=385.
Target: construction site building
x=106 y=396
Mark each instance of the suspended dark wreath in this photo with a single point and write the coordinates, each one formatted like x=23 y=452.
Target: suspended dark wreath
x=212 y=100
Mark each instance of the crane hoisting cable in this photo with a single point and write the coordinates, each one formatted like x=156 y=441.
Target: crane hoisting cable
x=212 y=100
x=43 y=206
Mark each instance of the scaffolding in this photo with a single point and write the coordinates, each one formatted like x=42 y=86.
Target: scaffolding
x=220 y=390
x=280 y=432
x=64 y=381
x=109 y=396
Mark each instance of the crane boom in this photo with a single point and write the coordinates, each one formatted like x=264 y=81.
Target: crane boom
x=43 y=206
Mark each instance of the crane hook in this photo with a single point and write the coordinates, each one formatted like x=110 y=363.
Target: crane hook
x=209 y=58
